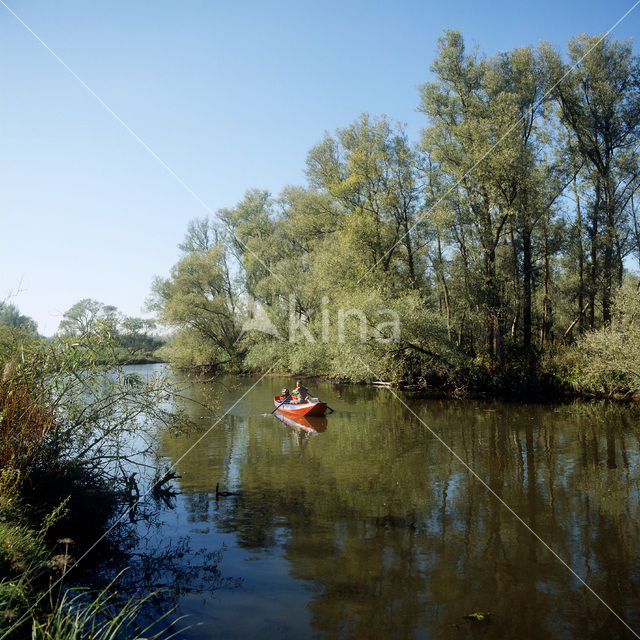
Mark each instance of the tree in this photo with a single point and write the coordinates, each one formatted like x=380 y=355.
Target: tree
x=197 y=297
x=130 y=337
x=249 y=228
x=488 y=146
x=10 y=316
x=529 y=180
x=597 y=96
x=81 y=318
x=462 y=141
x=15 y=328
x=136 y=335
x=370 y=170
x=202 y=235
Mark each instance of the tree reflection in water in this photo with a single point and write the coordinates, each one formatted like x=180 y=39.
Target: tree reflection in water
x=146 y=561
x=379 y=533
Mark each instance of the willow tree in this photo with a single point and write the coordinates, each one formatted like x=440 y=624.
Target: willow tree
x=199 y=301
x=82 y=318
x=461 y=140
x=597 y=93
x=369 y=169
x=490 y=143
x=529 y=178
x=249 y=228
x=300 y=251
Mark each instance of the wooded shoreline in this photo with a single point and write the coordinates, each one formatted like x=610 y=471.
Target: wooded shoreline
x=555 y=391
x=492 y=255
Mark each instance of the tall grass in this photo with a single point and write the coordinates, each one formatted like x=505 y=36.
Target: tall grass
x=25 y=421
x=78 y=616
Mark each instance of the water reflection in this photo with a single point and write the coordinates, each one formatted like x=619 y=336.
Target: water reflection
x=365 y=526
x=311 y=425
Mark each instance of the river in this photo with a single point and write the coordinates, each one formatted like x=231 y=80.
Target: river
x=370 y=527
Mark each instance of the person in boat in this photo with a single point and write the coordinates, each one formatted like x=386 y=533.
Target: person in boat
x=285 y=395
x=300 y=393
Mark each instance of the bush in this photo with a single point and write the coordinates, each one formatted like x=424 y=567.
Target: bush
x=607 y=361
x=71 y=428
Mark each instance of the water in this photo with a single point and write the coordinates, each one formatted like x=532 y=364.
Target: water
x=369 y=527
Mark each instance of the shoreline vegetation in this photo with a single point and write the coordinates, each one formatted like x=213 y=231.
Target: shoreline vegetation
x=492 y=256
x=489 y=258
x=551 y=390
x=74 y=428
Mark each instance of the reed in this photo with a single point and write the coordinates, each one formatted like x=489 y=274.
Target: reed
x=101 y=617
x=25 y=421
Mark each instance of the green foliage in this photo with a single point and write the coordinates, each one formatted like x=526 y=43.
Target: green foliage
x=20 y=547
x=99 y=617
x=24 y=557
x=131 y=339
x=370 y=170
x=10 y=316
x=359 y=338
x=16 y=331
x=198 y=298
x=607 y=361
x=73 y=425
x=465 y=236
x=597 y=97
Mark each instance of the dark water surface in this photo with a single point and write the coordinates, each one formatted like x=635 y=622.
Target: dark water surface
x=370 y=528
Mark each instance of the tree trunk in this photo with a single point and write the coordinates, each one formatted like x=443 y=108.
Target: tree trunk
x=545 y=329
x=581 y=291
x=608 y=253
x=593 y=267
x=492 y=307
x=445 y=288
x=527 y=283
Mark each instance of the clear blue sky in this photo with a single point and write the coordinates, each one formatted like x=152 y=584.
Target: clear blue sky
x=231 y=95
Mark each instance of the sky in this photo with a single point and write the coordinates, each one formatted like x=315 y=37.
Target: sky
x=121 y=121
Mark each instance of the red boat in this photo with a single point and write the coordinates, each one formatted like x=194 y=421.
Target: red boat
x=306 y=409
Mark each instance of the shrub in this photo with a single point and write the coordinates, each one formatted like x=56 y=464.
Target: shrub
x=607 y=361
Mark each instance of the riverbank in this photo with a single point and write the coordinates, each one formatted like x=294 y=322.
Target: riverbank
x=47 y=520
x=73 y=427
x=554 y=383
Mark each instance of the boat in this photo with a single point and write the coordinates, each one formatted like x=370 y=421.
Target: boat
x=315 y=408
x=312 y=424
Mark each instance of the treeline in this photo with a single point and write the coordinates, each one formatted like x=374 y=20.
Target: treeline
x=472 y=257
x=133 y=340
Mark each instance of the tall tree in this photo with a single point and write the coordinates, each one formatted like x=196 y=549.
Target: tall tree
x=249 y=228
x=528 y=180
x=82 y=318
x=196 y=297
x=370 y=169
x=10 y=316
x=461 y=140
x=597 y=95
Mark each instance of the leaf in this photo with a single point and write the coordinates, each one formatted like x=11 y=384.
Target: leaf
x=478 y=616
